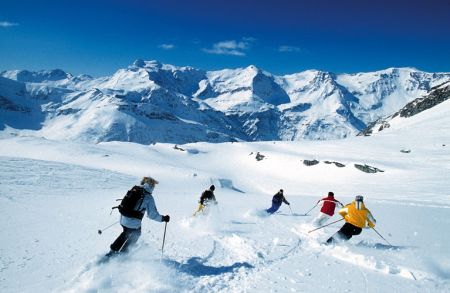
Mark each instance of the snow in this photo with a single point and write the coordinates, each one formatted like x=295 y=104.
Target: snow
x=237 y=88
x=150 y=102
x=386 y=91
x=56 y=194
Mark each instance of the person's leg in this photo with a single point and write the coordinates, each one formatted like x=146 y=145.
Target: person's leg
x=322 y=219
x=356 y=230
x=349 y=230
x=316 y=222
x=118 y=243
x=273 y=208
x=346 y=231
x=127 y=238
x=132 y=237
x=200 y=209
x=207 y=208
x=344 y=234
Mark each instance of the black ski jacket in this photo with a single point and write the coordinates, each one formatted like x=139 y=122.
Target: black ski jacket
x=207 y=195
x=279 y=198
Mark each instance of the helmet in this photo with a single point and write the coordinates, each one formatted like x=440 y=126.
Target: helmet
x=281 y=190
x=212 y=188
x=359 y=198
x=149 y=180
x=331 y=194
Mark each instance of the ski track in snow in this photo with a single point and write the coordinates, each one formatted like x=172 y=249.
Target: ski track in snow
x=52 y=244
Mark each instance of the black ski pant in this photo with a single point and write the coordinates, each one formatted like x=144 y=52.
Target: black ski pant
x=126 y=239
x=345 y=233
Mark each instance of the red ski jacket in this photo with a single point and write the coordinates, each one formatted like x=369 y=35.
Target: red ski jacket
x=328 y=205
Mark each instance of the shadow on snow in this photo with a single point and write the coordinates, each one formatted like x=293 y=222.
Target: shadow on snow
x=195 y=267
x=382 y=246
x=292 y=215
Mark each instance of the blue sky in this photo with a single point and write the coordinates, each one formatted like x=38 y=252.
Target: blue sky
x=281 y=36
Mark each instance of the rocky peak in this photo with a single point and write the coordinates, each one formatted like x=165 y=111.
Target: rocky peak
x=436 y=96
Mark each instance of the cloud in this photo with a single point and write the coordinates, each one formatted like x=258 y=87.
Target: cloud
x=249 y=39
x=288 y=49
x=231 y=47
x=7 y=24
x=166 y=46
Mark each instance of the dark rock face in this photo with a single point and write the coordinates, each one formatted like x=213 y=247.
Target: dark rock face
x=259 y=156
x=67 y=111
x=310 y=162
x=369 y=129
x=267 y=89
x=380 y=123
x=339 y=165
x=8 y=105
x=436 y=96
x=367 y=168
x=176 y=147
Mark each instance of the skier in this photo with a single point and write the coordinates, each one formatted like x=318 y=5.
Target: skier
x=206 y=199
x=277 y=200
x=131 y=222
x=327 y=209
x=356 y=217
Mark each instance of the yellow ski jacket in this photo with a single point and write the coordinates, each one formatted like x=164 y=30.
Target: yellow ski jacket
x=358 y=215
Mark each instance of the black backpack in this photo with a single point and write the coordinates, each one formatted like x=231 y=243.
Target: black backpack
x=131 y=203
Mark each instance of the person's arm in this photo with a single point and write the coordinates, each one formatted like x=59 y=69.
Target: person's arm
x=202 y=198
x=343 y=211
x=152 y=212
x=285 y=201
x=371 y=220
x=320 y=203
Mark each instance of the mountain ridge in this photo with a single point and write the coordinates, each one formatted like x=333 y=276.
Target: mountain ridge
x=151 y=102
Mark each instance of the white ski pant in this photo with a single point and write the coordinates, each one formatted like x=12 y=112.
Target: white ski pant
x=321 y=219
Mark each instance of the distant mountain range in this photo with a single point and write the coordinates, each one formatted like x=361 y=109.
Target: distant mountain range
x=152 y=102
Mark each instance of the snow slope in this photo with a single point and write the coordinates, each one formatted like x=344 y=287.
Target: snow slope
x=55 y=195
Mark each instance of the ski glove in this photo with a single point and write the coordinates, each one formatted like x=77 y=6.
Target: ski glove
x=165 y=218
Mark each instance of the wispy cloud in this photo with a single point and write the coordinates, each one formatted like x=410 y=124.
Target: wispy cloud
x=7 y=24
x=166 y=46
x=231 y=47
x=288 y=49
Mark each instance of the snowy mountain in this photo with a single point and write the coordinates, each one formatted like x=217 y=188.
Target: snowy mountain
x=37 y=76
x=437 y=95
x=153 y=102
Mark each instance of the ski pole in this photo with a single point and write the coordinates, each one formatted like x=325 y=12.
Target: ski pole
x=164 y=239
x=310 y=210
x=325 y=225
x=291 y=210
x=101 y=231
x=381 y=236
